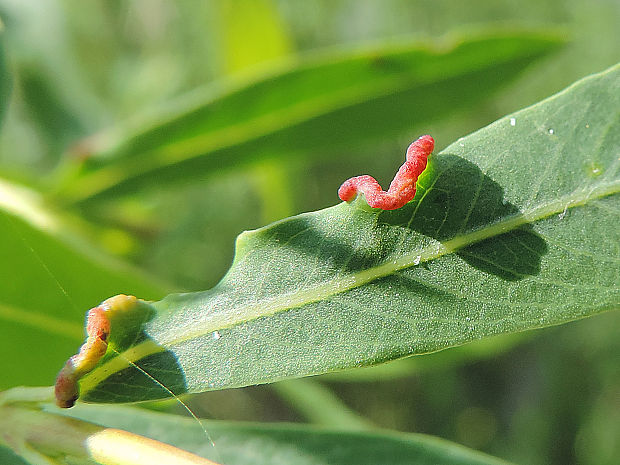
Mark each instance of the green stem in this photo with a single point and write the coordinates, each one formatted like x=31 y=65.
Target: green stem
x=274 y=189
x=319 y=404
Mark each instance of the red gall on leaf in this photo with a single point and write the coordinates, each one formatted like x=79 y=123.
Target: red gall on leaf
x=403 y=186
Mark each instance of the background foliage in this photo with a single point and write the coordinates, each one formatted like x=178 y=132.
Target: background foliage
x=78 y=69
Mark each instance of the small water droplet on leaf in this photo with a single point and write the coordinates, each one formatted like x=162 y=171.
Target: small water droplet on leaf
x=594 y=169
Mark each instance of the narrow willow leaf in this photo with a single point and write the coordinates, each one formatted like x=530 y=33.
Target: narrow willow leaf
x=513 y=228
x=247 y=443
x=311 y=106
x=7 y=456
x=48 y=276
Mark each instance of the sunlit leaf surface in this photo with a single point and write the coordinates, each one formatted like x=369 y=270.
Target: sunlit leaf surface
x=513 y=227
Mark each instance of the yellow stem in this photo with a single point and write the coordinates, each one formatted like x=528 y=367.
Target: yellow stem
x=117 y=447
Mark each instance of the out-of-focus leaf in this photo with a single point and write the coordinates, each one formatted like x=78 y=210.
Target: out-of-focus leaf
x=54 y=101
x=5 y=77
x=513 y=228
x=240 y=23
x=313 y=107
x=48 y=279
x=58 y=125
x=246 y=443
x=8 y=457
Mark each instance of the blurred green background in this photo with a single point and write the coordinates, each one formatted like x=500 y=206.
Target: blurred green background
x=77 y=68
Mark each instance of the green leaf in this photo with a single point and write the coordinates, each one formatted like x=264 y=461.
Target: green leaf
x=307 y=107
x=247 y=443
x=513 y=228
x=475 y=351
x=48 y=278
x=236 y=21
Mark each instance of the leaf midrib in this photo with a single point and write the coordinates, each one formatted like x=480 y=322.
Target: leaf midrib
x=336 y=286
